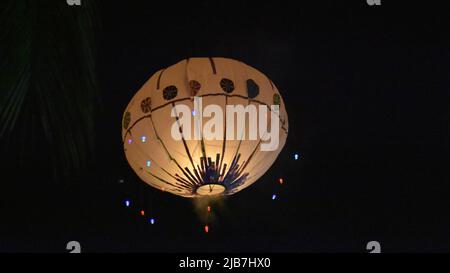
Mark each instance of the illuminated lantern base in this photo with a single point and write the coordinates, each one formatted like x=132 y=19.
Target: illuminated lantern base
x=210 y=189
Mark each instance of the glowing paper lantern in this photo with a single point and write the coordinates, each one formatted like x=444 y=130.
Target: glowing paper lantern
x=203 y=165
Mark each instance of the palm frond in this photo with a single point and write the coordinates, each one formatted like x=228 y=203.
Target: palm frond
x=48 y=88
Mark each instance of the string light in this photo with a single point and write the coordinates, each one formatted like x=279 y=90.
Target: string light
x=296 y=156
x=274 y=196
x=130 y=141
x=152 y=221
x=209 y=208
x=142 y=212
x=127 y=203
x=206 y=229
x=281 y=181
x=149 y=163
x=143 y=138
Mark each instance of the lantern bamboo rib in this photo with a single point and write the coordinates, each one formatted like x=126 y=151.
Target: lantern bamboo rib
x=159 y=78
x=165 y=148
x=182 y=136
x=240 y=140
x=213 y=65
x=224 y=136
x=245 y=164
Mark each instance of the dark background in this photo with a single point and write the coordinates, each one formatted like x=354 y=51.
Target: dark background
x=366 y=91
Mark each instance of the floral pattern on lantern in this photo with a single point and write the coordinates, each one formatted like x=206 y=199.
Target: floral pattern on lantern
x=146 y=105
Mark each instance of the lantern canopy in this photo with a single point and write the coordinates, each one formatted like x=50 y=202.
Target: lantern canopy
x=202 y=166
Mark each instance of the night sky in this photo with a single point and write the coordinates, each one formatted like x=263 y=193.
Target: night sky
x=366 y=91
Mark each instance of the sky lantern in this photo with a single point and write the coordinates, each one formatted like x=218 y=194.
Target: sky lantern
x=204 y=127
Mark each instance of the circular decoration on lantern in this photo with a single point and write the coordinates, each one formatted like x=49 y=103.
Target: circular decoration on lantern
x=276 y=99
x=252 y=89
x=192 y=167
x=126 y=120
x=227 y=85
x=170 y=92
x=146 y=105
x=194 y=86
